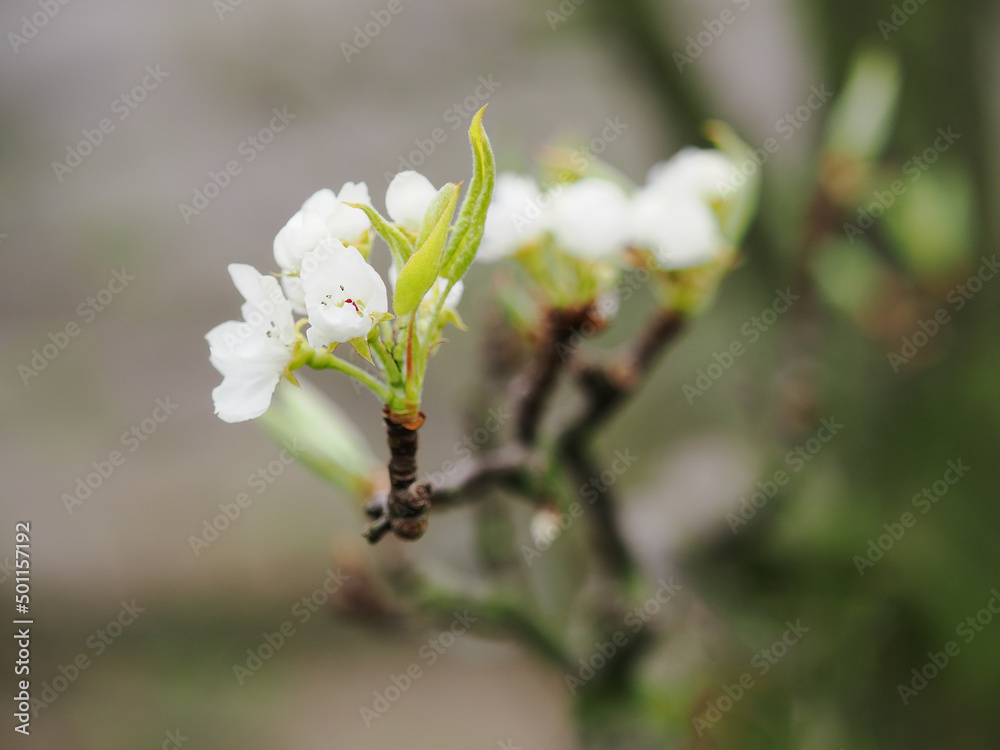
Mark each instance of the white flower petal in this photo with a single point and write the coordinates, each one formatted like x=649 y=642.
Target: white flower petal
x=304 y=231
x=268 y=309
x=515 y=217
x=344 y=222
x=408 y=198
x=244 y=396
x=253 y=353
x=292 y=286
x=589 y=218
x=704 y=173
x=681 y=232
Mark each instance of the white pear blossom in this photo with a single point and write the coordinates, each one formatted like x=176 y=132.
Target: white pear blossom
x=681 y=231
x=590 y=218
x=253 y=354
x=674 y=216
x=304 y=231
x=344 y=296
x=344 y=222
x=706 y=173
x=516 y=217
x=409 y=196
x=323 y=217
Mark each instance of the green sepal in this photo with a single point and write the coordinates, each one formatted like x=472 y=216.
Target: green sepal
x=362 y=347
x=468 y=230
x=400 y=245
x=423 y=268
x=452 y=316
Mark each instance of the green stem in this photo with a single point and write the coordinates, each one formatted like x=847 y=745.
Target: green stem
x=412 y=365
x=434 y=329
x=327 y=361
x=389 y=365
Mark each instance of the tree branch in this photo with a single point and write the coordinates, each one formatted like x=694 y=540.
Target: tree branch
x=533 y=389
x=605 y=390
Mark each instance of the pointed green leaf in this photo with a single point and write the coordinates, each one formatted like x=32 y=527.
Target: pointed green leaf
x=861 y=120
x=434 y=211
x=423 y=268
x=399 y=244
x=736 y=212
x=468 y=231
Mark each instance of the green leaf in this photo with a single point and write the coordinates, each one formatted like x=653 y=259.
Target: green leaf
x=468 y=231
x=736 y=214
x=424 y=266
x=399 y=244
x=434 y=211
x=322 y=437
x=862 y=117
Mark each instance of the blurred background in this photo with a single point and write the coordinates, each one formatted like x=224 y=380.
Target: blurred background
x=109 y=286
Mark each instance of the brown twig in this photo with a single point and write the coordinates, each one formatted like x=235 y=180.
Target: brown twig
x=405 y=510
x=512 y=467
x=532 y=390
x=606 y=388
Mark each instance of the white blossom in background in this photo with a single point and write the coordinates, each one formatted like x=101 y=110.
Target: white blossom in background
x=252 y=354
x=673 y=215
x=516 y=217
x=407 y=199
x=704 y=173
x=589 y=218
x=344 y=296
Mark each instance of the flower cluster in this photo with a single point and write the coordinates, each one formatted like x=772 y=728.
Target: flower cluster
x=325 y=276
x=572 y=237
